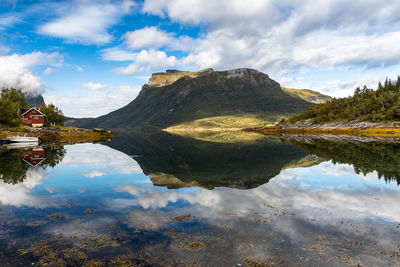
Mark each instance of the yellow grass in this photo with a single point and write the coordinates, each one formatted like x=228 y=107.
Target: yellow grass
x=222 y=136
x=377 y=132
x=226 y=123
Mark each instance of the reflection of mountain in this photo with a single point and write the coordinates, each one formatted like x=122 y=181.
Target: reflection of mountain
x=176 y=161
x=366 y=157
x=14 y=163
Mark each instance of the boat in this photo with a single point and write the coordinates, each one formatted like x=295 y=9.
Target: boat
x=23 y=139
x=20 y=145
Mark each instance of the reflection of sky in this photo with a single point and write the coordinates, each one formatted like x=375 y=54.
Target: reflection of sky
x=98 y=177
x=103 y=175
x=332 y=175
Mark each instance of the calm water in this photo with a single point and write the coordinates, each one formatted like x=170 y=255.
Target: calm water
x=157 y=200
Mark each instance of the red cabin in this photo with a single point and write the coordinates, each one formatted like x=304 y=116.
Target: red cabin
x=33 y=116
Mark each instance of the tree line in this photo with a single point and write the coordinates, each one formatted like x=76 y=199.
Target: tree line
x=12 y=101
x=380 y=105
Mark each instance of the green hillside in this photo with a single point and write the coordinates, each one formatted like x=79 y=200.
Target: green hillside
x=207 y=94
x=307 y=95
x=366 y=104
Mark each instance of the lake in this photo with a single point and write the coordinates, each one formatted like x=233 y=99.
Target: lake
x=214 y=200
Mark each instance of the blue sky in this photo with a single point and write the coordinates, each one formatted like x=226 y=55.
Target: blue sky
x=90 y=57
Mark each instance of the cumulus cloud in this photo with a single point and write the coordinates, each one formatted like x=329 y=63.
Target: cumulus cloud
x=105 y=101
x=15 y=70
x=148 y=37
x=86 y=22
x=79 y=69
x=94 y=86
x=147 y=60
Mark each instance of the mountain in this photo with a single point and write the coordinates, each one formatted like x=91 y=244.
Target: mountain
x=307 y=95
x=76 y=122
x=177 y=97
x=34 y=100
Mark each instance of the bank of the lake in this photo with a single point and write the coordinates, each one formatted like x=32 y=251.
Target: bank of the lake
x=352 y=128
x=60 y=134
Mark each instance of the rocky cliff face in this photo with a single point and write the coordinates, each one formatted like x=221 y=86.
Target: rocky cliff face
x=168 y=77
x=175 y=97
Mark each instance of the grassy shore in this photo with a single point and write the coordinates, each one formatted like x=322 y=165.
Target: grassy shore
x=59 y=134
x=376 y=132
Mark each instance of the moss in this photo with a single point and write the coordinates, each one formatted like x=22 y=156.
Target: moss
x=253 y=263
x=183 y=218
x=192 y=245
x=91 y=211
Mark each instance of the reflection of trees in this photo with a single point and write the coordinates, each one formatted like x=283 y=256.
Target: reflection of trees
x=366 y=157
x=13 y=169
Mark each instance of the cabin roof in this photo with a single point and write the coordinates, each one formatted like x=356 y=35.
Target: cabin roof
x=26 y=110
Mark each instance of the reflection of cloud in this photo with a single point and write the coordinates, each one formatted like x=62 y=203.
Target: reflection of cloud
x=95 y=173
x=19 y=194
x=147 y=220
x=51 y=189
x=349 y=202
x=102 y=159
x=343 y=169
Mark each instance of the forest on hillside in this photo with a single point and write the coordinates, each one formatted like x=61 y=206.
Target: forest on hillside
x=380 y=105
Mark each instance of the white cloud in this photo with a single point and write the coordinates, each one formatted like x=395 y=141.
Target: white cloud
x=147 y=60
x=15 y=70
x=107 y=100
x=8 y=21
x=94 y=86
x=49 y=70
x=148 y=37
x=79 y=69
x=86 y=22
x=117 y=54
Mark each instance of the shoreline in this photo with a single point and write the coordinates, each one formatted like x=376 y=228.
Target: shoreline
x=353 y=128
x=55 y=137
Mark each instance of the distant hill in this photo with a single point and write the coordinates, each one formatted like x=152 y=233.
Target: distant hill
x=307 y=95
x=76 y=122
x=34 y=100
x=177 y=97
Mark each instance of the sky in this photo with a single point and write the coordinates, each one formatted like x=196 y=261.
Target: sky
x=90 y=57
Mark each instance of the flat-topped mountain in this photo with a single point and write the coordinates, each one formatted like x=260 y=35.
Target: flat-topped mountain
x=177 y=97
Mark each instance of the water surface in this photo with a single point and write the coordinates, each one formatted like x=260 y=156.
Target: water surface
x=161 y=199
